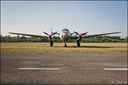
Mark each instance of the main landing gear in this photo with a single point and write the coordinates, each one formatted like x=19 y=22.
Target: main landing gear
x=78 y=43
x=51 y=43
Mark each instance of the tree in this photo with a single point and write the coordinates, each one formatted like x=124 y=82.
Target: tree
x=7 y=38
x=2 y=38
x=126 y=39
x=103 y=39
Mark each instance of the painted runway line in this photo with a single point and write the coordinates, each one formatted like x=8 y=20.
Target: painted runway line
x=115 y=68
x=39 y=68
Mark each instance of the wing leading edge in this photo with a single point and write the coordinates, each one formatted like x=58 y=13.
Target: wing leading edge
x=44 y=37
x=88 y=36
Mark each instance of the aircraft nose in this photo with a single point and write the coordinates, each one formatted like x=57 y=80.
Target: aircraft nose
x=65 y=33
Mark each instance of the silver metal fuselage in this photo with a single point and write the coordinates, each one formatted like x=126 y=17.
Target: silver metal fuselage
x=65 y=35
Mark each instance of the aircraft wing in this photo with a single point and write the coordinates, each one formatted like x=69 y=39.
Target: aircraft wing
x=44 y=37
x=56 y=37
x=41 y=36
x=88 y=36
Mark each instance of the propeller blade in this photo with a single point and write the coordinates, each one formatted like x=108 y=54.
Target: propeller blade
x=76 y=33
x=45 y=33
x=53 y=33
x=84 y=33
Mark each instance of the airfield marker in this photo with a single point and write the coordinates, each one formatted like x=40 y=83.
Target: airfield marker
x=115 y=68
x=39 y=68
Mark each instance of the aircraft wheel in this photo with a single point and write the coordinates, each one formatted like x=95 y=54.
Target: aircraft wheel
x=51 y=43
x=65 y=44
x=78 y=43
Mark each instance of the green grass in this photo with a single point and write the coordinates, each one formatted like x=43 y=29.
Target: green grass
x=59 y=47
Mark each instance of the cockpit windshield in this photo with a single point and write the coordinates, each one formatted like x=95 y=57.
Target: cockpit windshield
x=65 y=30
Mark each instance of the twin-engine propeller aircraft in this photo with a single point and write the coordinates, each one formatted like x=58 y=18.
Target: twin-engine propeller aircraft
x=65 y=35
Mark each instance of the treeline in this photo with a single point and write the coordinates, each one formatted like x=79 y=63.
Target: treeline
x=107 y=39
x=35 y=39
x=21 y=39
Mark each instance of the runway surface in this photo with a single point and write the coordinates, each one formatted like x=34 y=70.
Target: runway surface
x=67 y=68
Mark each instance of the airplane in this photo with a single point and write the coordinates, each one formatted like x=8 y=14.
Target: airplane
x=65 y=35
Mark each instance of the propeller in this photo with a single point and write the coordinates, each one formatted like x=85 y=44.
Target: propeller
x=50 y=35
x=76 y=33
x=53 y=33
x=84 y=33
x=80 y=35
x=45 y=33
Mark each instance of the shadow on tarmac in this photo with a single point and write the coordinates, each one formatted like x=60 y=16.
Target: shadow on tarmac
x=88 y=47
x=78 y=47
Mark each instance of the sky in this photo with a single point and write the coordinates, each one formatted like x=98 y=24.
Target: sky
x=33 y=17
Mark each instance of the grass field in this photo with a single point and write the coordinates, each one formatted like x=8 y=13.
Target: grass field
x=59 y=47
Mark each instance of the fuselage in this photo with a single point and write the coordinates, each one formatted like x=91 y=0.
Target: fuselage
x=65 y=35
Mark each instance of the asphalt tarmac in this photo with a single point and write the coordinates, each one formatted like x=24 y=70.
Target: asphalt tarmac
x=70 y=68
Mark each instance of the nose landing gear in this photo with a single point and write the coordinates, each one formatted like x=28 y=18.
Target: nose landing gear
x=65 y=44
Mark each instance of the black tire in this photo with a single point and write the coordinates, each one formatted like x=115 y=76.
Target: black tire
x=51 y=43
x=78 y=43
x=65 y=44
